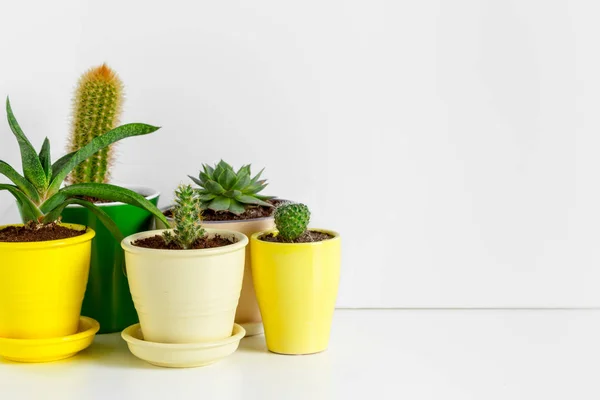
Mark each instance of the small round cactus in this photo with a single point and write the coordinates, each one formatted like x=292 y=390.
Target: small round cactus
x=187 y=215
x=291 y=220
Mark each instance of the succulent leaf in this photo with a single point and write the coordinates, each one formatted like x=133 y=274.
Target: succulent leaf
x=30 y=212
x=44 y=157
x=206 y=197
x=246 y=199
x=196 y=181
x=96 y=144
x=236 y=207
x=32 y=167
x=291 y=220
x=26 y=187
x=102 y=216
x=214 y=187
x=208 y=170
x=220 y=203
x=103 y=191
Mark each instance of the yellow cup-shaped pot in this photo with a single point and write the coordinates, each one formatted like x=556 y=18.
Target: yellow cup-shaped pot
x=185 y=296
x=42 y=285
x=296 y=287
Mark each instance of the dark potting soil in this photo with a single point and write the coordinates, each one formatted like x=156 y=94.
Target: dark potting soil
x=252 y=212
x=41 y=233
x=307 y=237
x=158 y=242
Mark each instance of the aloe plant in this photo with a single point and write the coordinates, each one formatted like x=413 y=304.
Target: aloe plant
x=38 y=191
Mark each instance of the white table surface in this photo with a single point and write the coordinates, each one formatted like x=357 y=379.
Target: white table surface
x=373 y=354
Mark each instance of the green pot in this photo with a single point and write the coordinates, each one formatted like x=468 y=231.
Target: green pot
x=107 y=296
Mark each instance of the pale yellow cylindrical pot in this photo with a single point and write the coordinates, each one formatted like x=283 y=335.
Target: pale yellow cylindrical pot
x=42 y=285
x=296 y=287
x=248 y=313
x=185 y=296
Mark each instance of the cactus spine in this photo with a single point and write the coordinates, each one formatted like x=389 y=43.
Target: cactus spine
x=291 y=220
x=97 y=105
x=187 y=215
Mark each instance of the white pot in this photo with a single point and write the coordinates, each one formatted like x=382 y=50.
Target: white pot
x=186 y=296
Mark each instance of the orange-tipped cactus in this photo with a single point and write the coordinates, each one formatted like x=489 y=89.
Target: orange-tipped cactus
x=97 y=108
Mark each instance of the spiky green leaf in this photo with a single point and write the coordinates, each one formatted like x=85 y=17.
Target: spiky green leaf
x=206 y=197
x=102 y=216
x=257 y=176
x=44 y=157
x=29 y=211
x=244 y=168
x=242 y=181
x=96 y=144
x=204 y=177
x=103 y=191
x=26 y=187
x=208 y=169
x=196 y=180
x=254 y=188
x=252 y=200
x=32 y=167
x=236 y=207
x=219 y=170
x=227 y=178
x=61 y=162
x=219 y=204
x=214 y=187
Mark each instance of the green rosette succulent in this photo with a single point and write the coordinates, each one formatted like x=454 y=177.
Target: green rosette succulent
x=224 y=189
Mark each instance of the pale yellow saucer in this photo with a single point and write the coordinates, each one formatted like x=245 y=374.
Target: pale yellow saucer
x=53 y=349
x=181 y=355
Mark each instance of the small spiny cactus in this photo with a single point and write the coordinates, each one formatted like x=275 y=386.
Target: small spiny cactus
x=187 y=216
x=291 y=220
x=97 y=108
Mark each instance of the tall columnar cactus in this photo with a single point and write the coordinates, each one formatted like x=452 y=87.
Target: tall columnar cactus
x=187 y=215
x=96 y=110
x=291 y=220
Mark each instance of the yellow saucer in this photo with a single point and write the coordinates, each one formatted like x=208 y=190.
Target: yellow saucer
x=53 y=349
x=181 y=355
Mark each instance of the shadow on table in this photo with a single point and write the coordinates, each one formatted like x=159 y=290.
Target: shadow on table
x=112 y=352
x=254 y=343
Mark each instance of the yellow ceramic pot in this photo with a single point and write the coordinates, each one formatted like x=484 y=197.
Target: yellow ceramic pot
x=42 y=286
x=296 y=287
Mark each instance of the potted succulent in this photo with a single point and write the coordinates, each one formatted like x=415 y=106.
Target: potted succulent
x=45 y=262
x=232 y=200
x=296 y=273
x=185 y=281
x=97 y=108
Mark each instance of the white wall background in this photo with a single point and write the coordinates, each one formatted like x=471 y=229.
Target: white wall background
x=454 y=144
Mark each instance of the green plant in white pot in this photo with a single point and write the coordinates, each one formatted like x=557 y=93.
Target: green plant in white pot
x=186 y=281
